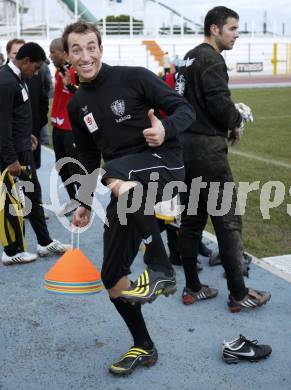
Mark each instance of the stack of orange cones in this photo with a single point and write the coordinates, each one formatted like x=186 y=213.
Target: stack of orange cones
x=73 y=274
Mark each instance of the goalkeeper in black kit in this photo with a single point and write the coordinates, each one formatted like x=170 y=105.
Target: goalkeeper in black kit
x=203 y=80
x=113 y=115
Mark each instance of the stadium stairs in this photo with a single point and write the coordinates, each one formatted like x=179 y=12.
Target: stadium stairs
x=155 y=50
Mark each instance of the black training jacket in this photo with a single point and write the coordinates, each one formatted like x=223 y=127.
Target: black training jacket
x=109 y=114
x=203 y=80
x=15 y=116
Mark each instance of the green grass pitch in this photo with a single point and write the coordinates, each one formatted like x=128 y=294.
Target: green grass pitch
x=267 y=143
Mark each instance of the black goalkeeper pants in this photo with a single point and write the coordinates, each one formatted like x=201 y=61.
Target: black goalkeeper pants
x=206 y=157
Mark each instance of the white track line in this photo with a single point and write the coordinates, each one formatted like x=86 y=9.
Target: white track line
x=273 y=117
x=278 y=265
x=260 y=85
x=261 y=159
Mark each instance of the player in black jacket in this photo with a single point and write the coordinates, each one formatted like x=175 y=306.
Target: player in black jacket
x=203 y=80
x=38 y=88
x=112 y=113
x=16 y=131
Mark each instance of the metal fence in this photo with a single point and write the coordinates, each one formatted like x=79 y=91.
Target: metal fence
x=247 y=57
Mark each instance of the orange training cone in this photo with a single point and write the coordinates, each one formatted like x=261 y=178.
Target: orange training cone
x=73 y=273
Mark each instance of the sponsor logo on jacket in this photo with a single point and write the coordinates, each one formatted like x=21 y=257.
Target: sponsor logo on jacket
x=57 y=121
x=90 y=122
x=180 y=85
x=188 y=62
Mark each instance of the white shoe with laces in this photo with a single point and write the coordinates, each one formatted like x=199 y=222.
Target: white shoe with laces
x=19 y=258
x=54 y=248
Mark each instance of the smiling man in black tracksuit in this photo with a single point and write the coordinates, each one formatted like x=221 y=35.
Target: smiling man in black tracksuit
x=112 y=113
x=203 y=80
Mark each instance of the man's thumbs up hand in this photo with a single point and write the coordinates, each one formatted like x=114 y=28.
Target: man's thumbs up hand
x=154 y=135
x=151 y=114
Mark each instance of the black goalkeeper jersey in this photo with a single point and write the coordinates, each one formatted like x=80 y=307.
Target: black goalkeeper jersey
x=203 y=80
x=109 y=114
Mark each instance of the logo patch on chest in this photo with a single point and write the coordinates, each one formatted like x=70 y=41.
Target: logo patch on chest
x=90 y=122
x=118 y=109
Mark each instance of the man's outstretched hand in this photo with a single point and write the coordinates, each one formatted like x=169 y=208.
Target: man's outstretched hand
x=154 y=135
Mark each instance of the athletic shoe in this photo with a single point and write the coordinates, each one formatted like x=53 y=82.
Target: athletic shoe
x=133 y=358
x=242 y=349
x=253 y=299
x=54 y=248
x=149 y=285
x=19 y=258
x=203 y=250
x=189 y=297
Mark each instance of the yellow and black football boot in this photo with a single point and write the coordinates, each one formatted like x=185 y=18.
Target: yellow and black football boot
x=133 y=358
x=148 y=286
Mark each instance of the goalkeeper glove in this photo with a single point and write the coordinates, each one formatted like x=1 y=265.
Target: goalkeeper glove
x=247 y=116
x=245 y=112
